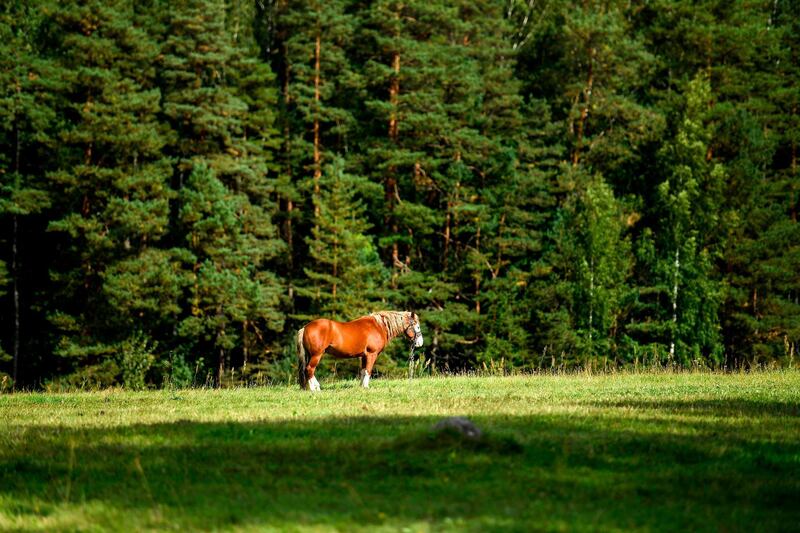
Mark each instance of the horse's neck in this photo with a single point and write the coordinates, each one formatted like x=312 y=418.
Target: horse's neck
x=391 y=322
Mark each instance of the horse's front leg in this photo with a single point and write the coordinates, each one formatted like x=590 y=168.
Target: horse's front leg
x=367 y=362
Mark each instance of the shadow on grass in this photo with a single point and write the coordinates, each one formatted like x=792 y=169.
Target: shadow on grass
x=723 y=407
x=528 y=472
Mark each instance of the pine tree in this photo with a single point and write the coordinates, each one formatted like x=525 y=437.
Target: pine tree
x=25 y=125
x=220 y=112
x=514 y=160
x=229 y=293
x=320 y=88
x=318 y=77
x=593 y=68
x=760 y=257
x=112 y=183
x=415 y=50
x=346 y=274
x=443 y=94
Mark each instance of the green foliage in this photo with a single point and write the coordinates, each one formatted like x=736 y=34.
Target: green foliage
x=135 y=358
x=587 y=286
x=688 y=204
x=226 y=287
x=550 y=185
x=176 y=372
x=346 y=273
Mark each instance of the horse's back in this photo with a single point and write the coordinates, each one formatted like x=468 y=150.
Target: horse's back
x=319 y=323
x=326 y=324
x=345 y=338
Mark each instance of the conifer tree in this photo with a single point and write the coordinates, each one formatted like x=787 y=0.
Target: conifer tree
x=25 y=126
x=413 y=130
x=346 y=275
x=312 y=41
x=112 y=183
x=595 y=66
x=219 y=109
x=443 y=92
x=229 y=293
x=760 y=135
x=318 y=78
x=512 y=155
x=764 y=322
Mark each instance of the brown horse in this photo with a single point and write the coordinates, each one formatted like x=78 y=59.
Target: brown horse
x=365 y=337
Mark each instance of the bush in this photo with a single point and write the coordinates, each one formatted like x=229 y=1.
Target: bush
x=178 y=373
x=135 y=359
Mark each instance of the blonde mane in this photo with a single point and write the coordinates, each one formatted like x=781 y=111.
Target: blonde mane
x=393 y=322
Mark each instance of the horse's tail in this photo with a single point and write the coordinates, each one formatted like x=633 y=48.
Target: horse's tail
x=301 y=358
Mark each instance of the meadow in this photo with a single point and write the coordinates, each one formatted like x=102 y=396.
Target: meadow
x=648 y=452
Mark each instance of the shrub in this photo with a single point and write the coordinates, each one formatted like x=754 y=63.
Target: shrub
x=134 y=359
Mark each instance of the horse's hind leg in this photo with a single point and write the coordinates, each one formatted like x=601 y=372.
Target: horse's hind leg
x=312 y=384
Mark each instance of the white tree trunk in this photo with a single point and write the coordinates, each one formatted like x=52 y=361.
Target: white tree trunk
x=591 y=303
x=674 y=305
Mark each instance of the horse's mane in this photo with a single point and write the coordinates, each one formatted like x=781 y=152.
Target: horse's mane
x=392 y=321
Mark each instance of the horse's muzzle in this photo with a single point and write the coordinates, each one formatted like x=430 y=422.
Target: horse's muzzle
x=418 y=341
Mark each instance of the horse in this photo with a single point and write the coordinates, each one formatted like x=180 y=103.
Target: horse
x=364 y=337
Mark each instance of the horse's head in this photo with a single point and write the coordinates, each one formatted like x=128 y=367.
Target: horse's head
x=413 y=331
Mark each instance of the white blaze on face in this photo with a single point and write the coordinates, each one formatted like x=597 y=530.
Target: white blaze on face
x=418 y=334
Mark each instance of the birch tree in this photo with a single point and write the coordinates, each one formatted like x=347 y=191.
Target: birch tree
x=593 y=261
x=689 y=201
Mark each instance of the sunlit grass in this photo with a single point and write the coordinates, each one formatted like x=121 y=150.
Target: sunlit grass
x=651 y=452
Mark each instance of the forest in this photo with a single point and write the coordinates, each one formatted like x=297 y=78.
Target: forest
x=550 y=184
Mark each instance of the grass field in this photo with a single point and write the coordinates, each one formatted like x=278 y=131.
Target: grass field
x=618 y=452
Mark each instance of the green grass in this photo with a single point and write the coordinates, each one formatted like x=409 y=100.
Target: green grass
x=618 y=452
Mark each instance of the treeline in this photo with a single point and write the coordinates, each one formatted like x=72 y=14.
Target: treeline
x=549 y=184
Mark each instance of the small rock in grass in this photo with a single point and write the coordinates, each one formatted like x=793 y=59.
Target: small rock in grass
x=460 y=425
